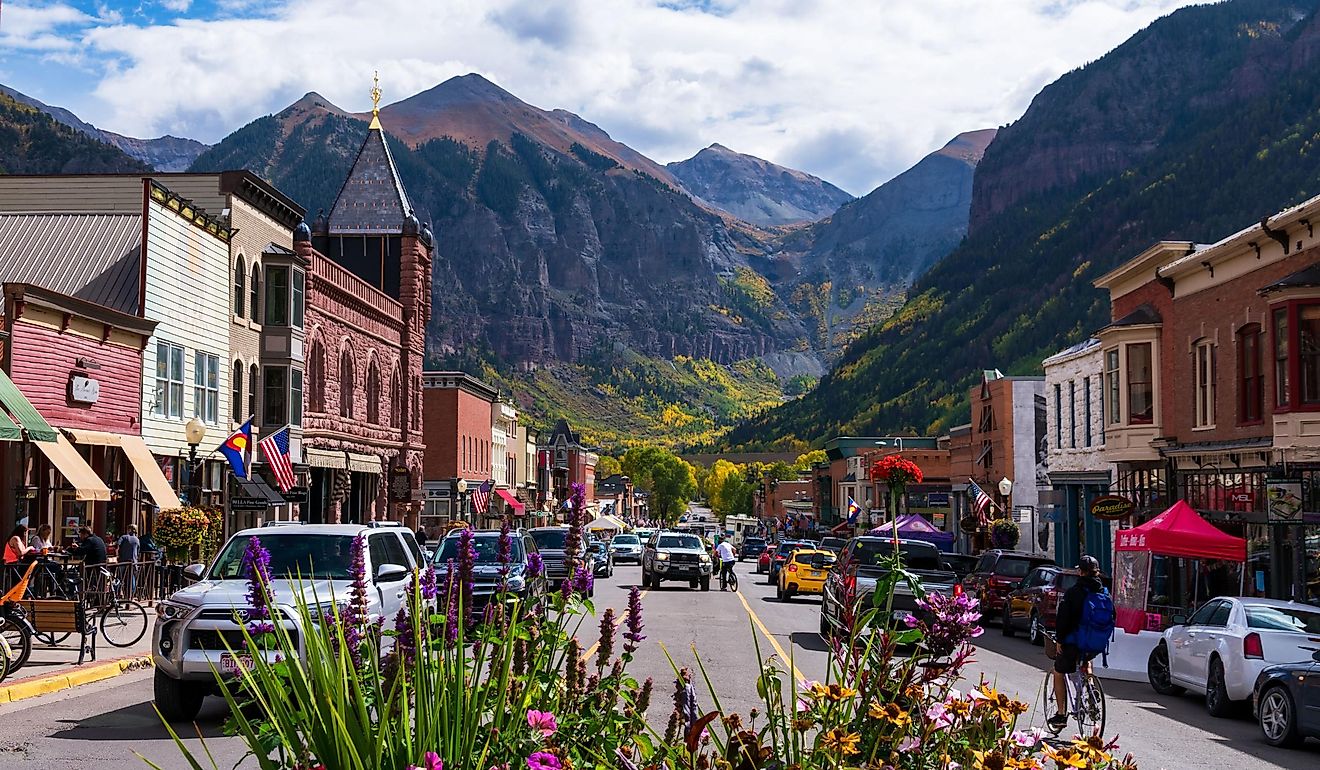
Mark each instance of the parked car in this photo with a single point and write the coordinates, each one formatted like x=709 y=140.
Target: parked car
x=602 y=560
x=1034 y=604
x=752 y=548
x=833 y=544
x=550 y=543
x=763 y=561
x=626 y=547
x=804 y=573
x=676 y=556
x=859 y=569
x=194 y=625
x=1286 y=701
x=998 y=572
x=960 y=563
x=1224 y=646
x=781 y=554
x=488 y=572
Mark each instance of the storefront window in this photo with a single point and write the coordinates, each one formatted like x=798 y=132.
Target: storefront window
x=1111 y=386
x=1281 y=357
x=277 y=295
x=1251 y=377
x=276 y=392
x=1308 y=351
x=1140 y=384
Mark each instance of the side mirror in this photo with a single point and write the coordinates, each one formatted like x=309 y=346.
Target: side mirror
x=390 y=573
x=818 y=561
x=1178 y=620
x=194 y=572
x=1315 y=656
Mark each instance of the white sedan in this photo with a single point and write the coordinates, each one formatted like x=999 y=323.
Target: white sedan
x=1221 y=649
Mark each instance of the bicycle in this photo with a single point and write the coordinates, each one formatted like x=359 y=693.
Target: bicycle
x=122 y=621
x=728 y=580
x=1086 y=696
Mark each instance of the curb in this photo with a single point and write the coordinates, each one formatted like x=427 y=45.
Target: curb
x=64 y=681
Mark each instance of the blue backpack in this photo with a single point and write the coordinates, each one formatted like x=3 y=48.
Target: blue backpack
x=1096 y=625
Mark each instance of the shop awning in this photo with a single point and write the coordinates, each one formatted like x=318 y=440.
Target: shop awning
x=93 y=437
x=518 y=507
x=360 y=463
x=325 y=458
x=8 y=430
x=149 y=472
x=24 y=414
x=87 y=485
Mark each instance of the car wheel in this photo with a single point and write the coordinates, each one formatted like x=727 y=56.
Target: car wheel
x=1217 y=701
x=1157 y=672
x=1005 y=623
x=176 y=699
x=1278 y=718
x=788 y=594
x=705 y=584
x=1036 y=631
x=693 y=583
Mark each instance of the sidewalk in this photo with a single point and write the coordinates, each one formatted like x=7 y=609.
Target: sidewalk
x=51 y=669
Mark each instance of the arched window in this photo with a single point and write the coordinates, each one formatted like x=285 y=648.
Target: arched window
x=254 y=296
x=316 y=377
x=373 y=393
x=346 y=384
x=236 y=396
x=395 y=405
x=254 y=375
x=240 y=289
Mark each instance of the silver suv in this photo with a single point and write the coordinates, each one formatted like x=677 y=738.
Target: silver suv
x=194 y=625
x=676 y=556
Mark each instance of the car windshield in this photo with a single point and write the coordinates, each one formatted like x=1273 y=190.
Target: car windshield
x=550 y=539
x=1009 y=566
x=805 y=557
x=487 y=547
x=1283 y=618
x=293 y=556
x=915 y=556
x=787 y=548
x=755 y=541
x=680 y=541
x=626 y=540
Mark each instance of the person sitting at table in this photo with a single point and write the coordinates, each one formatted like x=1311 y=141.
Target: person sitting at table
x=40 y=541
x=90 y=547
x=16 y=548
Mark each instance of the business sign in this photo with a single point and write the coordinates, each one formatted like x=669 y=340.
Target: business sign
x=937 y=499
x=84 y=390
x=400 y=485
x=1111 y=508
x=295 y=495
x=1285 y=500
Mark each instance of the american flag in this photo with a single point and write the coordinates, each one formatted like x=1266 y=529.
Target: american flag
x=981 y=502
x=275 y=448
x=481 y=498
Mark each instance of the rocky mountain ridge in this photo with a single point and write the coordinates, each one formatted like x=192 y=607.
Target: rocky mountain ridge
x=165 y=153
x=756 y=190
x=35 y=143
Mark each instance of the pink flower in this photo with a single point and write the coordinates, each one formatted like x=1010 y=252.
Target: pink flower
x=1027 y=738
x=433 y=762
x=909 y=743
x=939 y=716
x=543 y=721
x=542 y=760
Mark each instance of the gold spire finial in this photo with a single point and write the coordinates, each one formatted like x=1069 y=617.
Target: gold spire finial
x=375 y=100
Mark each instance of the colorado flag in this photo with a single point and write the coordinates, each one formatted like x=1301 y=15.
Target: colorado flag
x=853 y=510
x=236 y=447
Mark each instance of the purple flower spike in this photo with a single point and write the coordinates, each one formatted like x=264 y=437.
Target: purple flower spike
x=404 y=643
x=582 y=581
x=356 y=616
x=256 y=566
x=451 y=605
x=429 y=587
x=633 y=622
x=535 y=566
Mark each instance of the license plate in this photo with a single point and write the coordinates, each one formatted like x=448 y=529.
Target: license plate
x=899 y=614
x=233 y=664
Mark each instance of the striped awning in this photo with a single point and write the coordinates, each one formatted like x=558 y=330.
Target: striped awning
x=22 y=413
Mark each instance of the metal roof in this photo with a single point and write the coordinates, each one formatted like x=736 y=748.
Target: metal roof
x=372 y=200
x=94 y=257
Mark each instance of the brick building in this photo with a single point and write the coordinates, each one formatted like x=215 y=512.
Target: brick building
x=1212 y=389
x=456 y=418
x=569 y=462
x=368 y=295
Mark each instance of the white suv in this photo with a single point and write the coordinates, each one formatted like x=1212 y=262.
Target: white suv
x=188 y=643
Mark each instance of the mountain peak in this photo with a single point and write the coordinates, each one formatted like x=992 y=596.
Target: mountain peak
x=314 y=101
x=756 y=190
x=969 y=146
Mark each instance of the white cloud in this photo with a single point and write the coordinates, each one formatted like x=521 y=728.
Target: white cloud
x=27 y=26
x=178 y=6
x=854 y=92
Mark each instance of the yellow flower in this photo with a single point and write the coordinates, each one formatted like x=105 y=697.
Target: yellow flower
x=988 y=760
x=802 y=725
x=997 y=703
x=841 y=742
x=1068 y=756
x=832 y=692
x=1093 y=748
x=889 y=712
x=959 y=707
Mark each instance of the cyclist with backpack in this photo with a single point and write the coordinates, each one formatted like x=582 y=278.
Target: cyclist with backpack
x=1084 y=624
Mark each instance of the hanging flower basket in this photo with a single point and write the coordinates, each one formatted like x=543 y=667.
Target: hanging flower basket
x=181 y=531
x=1004 y=533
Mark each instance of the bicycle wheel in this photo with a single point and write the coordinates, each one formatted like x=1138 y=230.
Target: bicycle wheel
x=733 y=581
x=123 y=622
x=1090 y=706
x=20 y=643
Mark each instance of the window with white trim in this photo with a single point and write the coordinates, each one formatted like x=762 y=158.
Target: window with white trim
x=1204 y=360
x=1112 y=403
x=206 y=387
x=169 y=380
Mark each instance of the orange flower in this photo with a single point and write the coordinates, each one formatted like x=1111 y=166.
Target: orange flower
x=889 y=712
x=842 y=742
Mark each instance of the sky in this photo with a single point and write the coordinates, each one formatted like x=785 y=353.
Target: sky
x=853 y=91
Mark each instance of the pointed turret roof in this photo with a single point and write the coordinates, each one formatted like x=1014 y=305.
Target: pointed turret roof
x=372 y=199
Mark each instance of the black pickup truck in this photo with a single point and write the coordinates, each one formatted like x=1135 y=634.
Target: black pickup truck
x=860 y=567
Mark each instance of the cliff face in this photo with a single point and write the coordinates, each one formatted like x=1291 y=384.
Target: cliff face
x=553 y=241
x=756 y=190
x=1199 y=125
x=1112 y=113
x=166 y=153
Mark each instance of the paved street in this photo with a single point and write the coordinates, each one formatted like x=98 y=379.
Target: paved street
x=102 y=725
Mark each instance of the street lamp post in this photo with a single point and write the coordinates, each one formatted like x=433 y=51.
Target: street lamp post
x=195 y=433
x=460 y=487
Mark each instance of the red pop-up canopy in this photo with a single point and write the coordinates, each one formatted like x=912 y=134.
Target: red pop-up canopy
x=1180 y=531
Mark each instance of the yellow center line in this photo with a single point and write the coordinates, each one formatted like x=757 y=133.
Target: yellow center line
x=596 y=644
x=770 y=638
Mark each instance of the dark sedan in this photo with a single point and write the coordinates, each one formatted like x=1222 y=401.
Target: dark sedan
x=1286 y=701
x=752 y=547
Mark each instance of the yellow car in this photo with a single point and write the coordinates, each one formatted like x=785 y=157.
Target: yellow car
x=804 y=573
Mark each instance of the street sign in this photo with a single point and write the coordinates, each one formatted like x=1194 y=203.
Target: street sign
x=1285 y=500
x=1111 y=508
x=295 y=495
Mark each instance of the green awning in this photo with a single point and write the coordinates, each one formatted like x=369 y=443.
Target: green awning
x=8 y=430
x=22 y=412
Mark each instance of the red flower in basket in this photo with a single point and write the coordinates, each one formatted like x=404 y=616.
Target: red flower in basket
x=896 y=470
